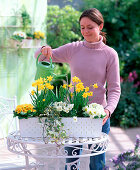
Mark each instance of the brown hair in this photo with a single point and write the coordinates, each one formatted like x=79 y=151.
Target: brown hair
x=94 y=15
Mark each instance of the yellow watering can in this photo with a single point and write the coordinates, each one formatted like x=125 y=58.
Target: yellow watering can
x=45 y=69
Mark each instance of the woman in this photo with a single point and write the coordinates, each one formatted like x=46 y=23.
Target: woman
x=93 y=62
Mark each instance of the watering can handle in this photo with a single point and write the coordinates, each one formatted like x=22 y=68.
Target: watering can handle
x=38 y=58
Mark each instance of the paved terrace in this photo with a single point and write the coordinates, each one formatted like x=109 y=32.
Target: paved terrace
x=120 y=140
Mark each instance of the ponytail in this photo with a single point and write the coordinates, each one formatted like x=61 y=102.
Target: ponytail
x=103 y=34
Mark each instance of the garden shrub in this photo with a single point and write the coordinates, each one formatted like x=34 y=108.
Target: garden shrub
x=127 y=113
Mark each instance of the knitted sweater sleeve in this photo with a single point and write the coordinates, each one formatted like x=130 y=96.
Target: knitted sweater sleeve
x=113 y=80
x=61 y=54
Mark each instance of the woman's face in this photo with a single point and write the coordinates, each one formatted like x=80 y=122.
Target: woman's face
x=90 y=30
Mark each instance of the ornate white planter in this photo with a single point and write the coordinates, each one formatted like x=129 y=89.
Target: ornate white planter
x=84 y=127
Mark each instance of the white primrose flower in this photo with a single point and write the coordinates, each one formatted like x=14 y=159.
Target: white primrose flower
x=75 y=118
x=94 y=109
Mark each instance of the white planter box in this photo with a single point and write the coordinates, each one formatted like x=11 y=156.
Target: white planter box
x=30 y=127
x=84 y=127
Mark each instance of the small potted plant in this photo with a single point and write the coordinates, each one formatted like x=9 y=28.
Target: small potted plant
x=17 y=39
x=38 y=36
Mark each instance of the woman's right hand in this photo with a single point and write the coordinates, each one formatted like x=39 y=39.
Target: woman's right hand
x=46 y=51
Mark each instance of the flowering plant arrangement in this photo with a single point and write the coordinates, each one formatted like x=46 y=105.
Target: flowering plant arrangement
x=38 y=35
x=71 y=100
x=18 y=36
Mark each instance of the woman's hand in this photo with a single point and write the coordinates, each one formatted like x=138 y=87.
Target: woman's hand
x=46 y=51
x=107 y=116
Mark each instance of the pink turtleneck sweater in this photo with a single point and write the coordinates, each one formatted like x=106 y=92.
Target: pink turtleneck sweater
x=92 y=63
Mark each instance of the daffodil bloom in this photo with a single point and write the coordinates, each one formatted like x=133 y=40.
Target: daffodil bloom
x=90 y=93
x=86 y=89
x=43 y=100
x=76 y=79
x=95 y=85
x=32 y=92
x=78 y=90
x=70 y=85
x=49 y=78
x=80 y=86
x=64 y=86
x=85 y=95
x=51 y=87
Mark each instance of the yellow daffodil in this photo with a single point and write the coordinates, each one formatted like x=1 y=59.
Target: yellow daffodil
x=76 y=79
x=43 y=100
x=64 y=86
x=49 y=78
x=70 y=85
x=86 y=89
x=32 y=92
x=85 y=95
x=95 y=85
x=80 y=86
x=90 y=93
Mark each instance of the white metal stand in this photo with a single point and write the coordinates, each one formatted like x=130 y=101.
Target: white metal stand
x=44 y=152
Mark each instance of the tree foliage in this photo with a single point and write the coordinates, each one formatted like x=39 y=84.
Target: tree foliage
x=62 y=25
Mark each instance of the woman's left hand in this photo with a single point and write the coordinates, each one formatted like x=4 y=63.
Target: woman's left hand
x=107 y=116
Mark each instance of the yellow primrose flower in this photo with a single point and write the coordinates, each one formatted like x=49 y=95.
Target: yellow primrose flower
x=49 y=78
x=24 y=108
x=76 y=79
x=95 y=85
x=43 y=100
x=64 y=86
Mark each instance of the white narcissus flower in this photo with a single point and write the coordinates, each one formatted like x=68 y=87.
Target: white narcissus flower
x=75 y=118
x=59 y=108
